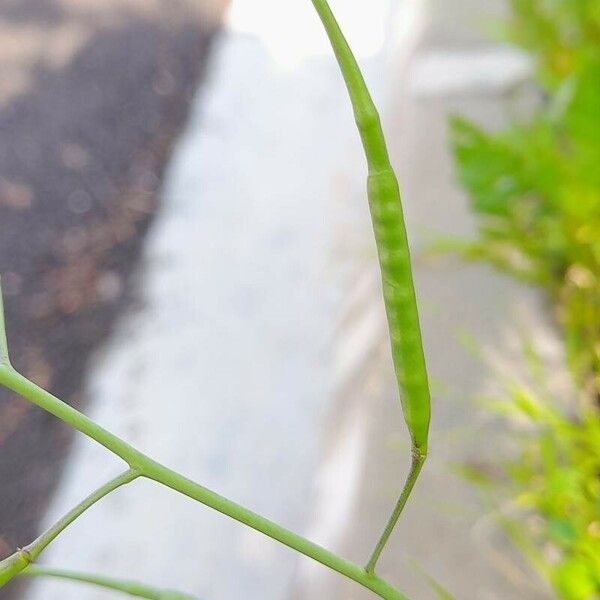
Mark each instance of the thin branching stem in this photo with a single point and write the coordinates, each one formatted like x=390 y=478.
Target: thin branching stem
x=17 y=562
x=415 y=468
x=149 y=468
x=394 y=261
x=132 y=588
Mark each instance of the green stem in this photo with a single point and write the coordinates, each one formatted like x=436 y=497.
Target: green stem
x=394 y=261
x=132 y=588
x=417 y=417
x=365 y=111
x=151 y=469
x=415 y=468
x=17 y=562
x=302 y=545
x=4 y=357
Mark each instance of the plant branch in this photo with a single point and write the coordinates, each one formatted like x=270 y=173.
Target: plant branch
x=394 y=262
x=151 y=469
x=141 y=465
x=365 y=111
x=302 y=545
x=4 y=356
x=417 y=416
x=415 y=468
x=17 y=562
x=132 y=588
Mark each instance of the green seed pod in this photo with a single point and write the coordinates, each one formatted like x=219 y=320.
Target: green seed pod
x=392 y=243
x=400 y=304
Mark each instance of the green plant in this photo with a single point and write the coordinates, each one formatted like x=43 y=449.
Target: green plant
x=548 y=498
x=394 y=261
x=132 y=588
x=535 y=189
x=407 y=354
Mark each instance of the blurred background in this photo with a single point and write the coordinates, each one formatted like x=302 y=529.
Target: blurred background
x=187 y=257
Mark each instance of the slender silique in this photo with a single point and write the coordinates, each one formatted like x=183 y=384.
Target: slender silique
x=392 y=242
x=395 y=265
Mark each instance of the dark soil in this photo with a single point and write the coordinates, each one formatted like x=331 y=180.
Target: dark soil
x=81 y=161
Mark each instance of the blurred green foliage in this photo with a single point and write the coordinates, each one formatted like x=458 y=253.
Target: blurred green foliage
x=549 y=496
x=535 y=190
x=535 y=187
